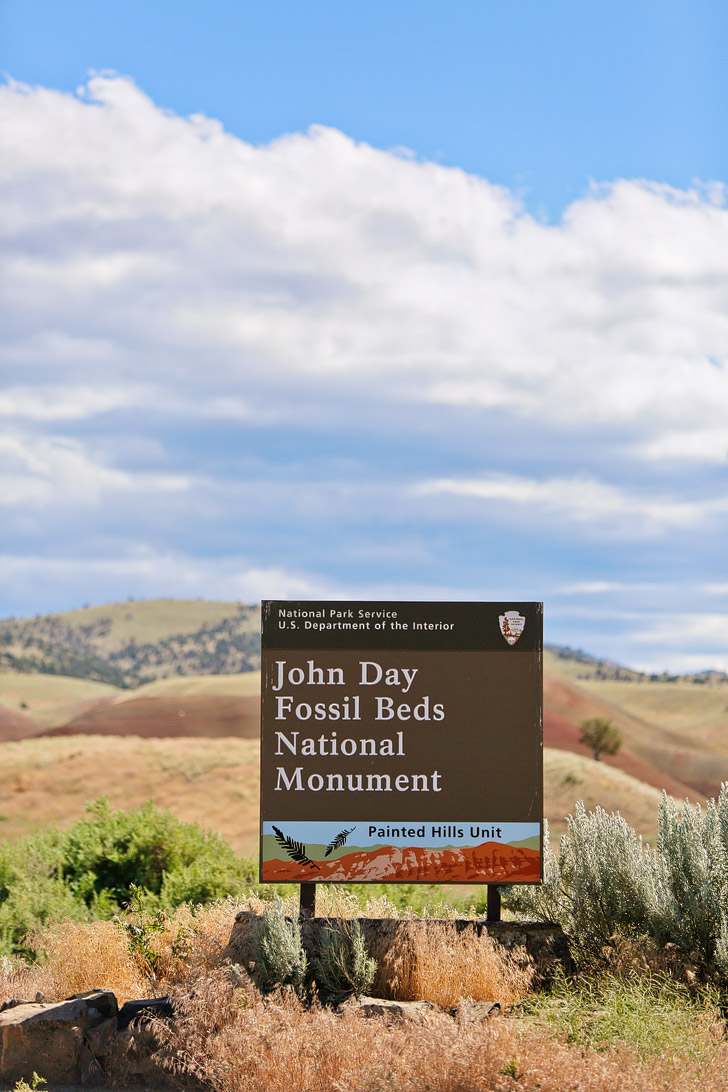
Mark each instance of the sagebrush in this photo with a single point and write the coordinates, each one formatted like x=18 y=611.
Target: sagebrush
x=342 y=964
x=605 y=882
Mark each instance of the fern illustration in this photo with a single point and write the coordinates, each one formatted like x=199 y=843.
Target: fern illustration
x=338 y=841
x=295 y=850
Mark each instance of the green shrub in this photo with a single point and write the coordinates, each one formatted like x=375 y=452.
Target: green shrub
x=174 y=862
x=278 y=950
x=692 y=909
x=342 y=964
x=90 y=870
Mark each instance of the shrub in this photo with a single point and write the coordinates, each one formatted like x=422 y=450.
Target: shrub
x=174 y=862
x=601 y=882
x=692 y=908
x=89 y=870
x=278 y=950
x=342 y=964
x=604 y=882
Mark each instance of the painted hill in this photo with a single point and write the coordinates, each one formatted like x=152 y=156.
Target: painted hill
x=48 y=701
x=206 y=715
x=15 y=725
x=50 y=779
x=679 y=761
x=199 y=660
x=413 y=864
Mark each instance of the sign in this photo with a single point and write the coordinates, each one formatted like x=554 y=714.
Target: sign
x=401 y=742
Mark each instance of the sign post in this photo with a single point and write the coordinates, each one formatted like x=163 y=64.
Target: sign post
x=401 y=743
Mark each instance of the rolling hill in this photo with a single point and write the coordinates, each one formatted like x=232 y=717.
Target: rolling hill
x=127 y=644
x=200 y=700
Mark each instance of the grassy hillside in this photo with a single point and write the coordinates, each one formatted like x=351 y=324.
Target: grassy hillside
x=575 y=664
x=127 y=644
x=51 y=700
x=50 y=780
x=663 y=757
x=697 y=711
x=569 y=777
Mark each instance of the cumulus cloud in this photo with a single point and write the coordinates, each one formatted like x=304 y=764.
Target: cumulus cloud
x=319 y=355
x=322 y=260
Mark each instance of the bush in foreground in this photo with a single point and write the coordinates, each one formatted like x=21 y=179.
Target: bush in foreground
x=88 y=870
x=342 y=964
x=604 y=882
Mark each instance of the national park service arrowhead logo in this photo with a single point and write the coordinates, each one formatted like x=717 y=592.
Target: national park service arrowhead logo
x=511 y=625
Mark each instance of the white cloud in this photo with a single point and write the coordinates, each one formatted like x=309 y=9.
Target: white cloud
x=52 y=472
x=157 y=574
x=582 y=501
x=173 y=292
x=316 y=260
x=70 y=403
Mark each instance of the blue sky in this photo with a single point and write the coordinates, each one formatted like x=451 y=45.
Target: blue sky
x=374 y=301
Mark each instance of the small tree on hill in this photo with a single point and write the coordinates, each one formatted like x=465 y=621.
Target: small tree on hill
x=601 y=736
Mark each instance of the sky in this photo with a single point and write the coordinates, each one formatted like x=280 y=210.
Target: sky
x=383 y=301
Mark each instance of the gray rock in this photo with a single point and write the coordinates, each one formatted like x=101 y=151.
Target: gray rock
x=475 y=1012
x=42 y=1038
x=90 y=1069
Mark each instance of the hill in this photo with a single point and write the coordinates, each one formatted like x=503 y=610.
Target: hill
x=47 y=701
x=127 y=644
x=49 y=780
x=189 y=668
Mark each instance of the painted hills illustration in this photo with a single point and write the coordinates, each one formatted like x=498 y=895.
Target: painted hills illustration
x=491 y=862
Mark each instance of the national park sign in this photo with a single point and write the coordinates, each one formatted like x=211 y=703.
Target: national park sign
x=401 y=742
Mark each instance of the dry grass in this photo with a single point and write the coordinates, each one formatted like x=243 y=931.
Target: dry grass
x=87 y=956
x=232 y=1039
x=97 y=955
x=431 y=961
x=48 y=781
x=236 y=1041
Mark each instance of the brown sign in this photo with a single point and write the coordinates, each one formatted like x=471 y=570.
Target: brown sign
x=401 y=742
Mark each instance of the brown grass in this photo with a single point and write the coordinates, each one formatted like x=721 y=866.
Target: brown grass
x=231 y=1038
x=49 y=781
x=236 y=1041
x=435 y=962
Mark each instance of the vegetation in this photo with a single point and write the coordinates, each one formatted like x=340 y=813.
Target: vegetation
x=645 y=1011
x=278 y=951
x=604 y=883
x=98 y=644
x=93 y=869
x=342 y=964
x=601 y=735
x=625 y=1028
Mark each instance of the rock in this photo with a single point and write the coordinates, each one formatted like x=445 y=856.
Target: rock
x=101 y=1038
x=43 y=1038
x=475 y=1012
x=400 y=1011
x=239 y=947
x=542 y=944
x=15 y=1002
x=90 y=1070
x=144 y=1010
x=50 y=1038
x=104 y=1001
